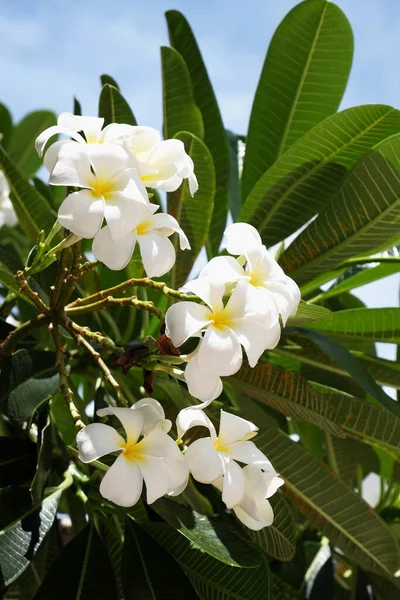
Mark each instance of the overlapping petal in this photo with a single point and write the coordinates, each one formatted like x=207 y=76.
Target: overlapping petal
x=114 y=254
x=184 y=320
x=201 y=384
x=203 y=461
x=123 y=482
x=96 y=440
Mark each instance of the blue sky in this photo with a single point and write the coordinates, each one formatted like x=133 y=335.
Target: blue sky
x=53 y=49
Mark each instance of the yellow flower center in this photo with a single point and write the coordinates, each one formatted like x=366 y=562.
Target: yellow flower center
x=257 y=279
x=143 y=228
x=220 y=447
x=133 y=452
x=221 y=319
x=102 y=188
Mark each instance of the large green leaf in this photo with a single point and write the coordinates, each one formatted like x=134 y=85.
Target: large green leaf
x=148 y=571
x=181 y=112
x=22 y=528
x=339 y=414
x=302 y=82
x=107 y=79
x=81 y=571
x=6 y=126
x=375 y=324
x=309 y=312
x=310 y=173
x=22 y=146
x=363 y=217
x=216 y=539
x=193 y=214
x=350 y=455
x=211 y=578
x=215 y=138
x=33 y=210
x=113 y=107
x=339 y=513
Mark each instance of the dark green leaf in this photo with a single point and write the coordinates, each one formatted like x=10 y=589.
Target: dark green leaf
x=104 y=79
x=22 y=146
x=44 y=457
x=148 y=571
x=302 y=82
x=114 y=108
x=180 y=110
x=17 y=460
x=349 y=455
x=6 y=126
x=193 y=214
x=215 y=138
x=82 y=571
x=77 y=107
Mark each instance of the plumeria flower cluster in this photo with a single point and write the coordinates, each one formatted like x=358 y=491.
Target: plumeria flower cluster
x=7 y=212
x=146 y=453
x=110 y=169
x=245 y=298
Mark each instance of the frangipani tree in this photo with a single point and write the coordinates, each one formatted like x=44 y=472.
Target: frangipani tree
x=208 y=434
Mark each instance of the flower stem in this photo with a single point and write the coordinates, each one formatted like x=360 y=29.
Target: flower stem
x=25 y=288
x=79 y=309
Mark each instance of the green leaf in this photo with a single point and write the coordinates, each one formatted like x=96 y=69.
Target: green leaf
x=107 y=79
x=22 y=528
x=22 y=146
x=349 y=455
x=26 y=380
x=45 y=443
x=279 y=539
x=216 y=539
x=193 y=214
x=362 y=218
x=306 y=177
x=291 y=394
x=17 y=460
x=182 y=39
x=113 y=107
x=62 y=418
x=302 y=82
x=181 y=112
x=77 y=107
x=34 y=212
x=148 y=571
x=7 y=280
x=339 y=513
x=211 y=578
x=234 y=179
x=309 y=312
x=81 y=571
x=6 y=126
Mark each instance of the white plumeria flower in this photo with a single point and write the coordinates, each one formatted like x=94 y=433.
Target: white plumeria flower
x=112 y=189
x=155 y=459
x=216 y=456
x=254 y=509
x=162 y=164
x=227 y=327
x=71 y=125
x=151 y=233
x=7 y=212
x=266 y=278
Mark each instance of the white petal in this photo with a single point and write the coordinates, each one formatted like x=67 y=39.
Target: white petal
x=159 y=444
x=193 y=417
x=123 y=482
x=193 y=184
x=233 y=485
x=82 y=213
x=252 y=336
x=96 y=440
x=201 y=385
x=143 y=139
x=203 y=461
x=254 y=501
x=167 y=225
x=273 y=335
x=284 y=297
x=72 y=167
x=44 y=137
x=273 y=482
x=153 y=414
x=108 y=160
x=236 y=305
x=51 y=155
x=10 y=216
x=223 y=269
x=115 y=255
x=211 y=292
x=184 y=320
x=156 y=477
x=89 y=125
x=178 y=475
x=220 y=351
x=252 y=523
x=168 y=186
x=131 y=420
x=240 y=237
x=157 y=252
x=260 y=302
x=248 y=453
x=233 y=428
x=115 y=131
x=123 y=214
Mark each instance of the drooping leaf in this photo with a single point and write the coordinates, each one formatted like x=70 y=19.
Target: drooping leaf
x=17 y=460
x=33 y=210
x=81 y=571
x=23 y=526
x=302 y=82
x=107 y=79
x=217 y=539
x=291 y=394
x=306 y=177
x=361 y=218
x=22 y=145
x=181 y=112
x=113 y=107
x=148 y=571
x=6 y=126
x=26 y=380
x=339 y=513
x=193 y=214
x=182 y=39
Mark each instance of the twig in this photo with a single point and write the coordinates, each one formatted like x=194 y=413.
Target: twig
x=25 y=288
x=13 y=338
x=72 y=277
x=61 y=275
x=95 y=336
x=74 y=309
